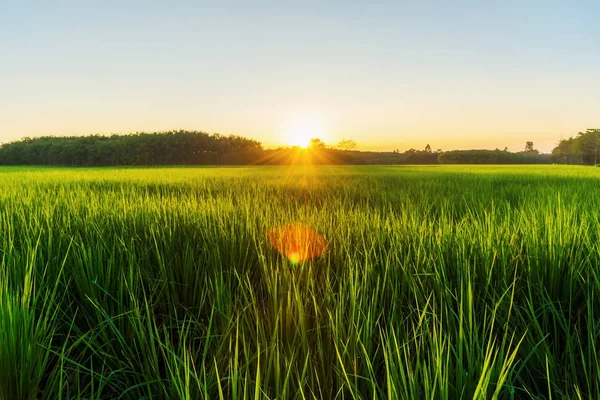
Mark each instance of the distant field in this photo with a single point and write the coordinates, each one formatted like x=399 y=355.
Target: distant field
x=440 y=282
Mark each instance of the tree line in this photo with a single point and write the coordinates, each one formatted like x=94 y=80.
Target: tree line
x=201 y=148
x=165 y=148
x=493 y=157
x=190 y=148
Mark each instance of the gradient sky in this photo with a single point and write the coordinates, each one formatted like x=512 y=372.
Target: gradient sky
x=454 y=74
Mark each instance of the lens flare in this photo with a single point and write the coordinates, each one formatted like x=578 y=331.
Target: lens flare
x=297 y=242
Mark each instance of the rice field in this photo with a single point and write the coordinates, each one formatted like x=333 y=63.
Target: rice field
x=438 y=282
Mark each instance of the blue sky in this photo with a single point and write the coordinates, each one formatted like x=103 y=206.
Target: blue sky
x=470 y=74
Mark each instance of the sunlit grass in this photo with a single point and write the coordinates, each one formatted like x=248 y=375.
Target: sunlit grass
x=437 y=282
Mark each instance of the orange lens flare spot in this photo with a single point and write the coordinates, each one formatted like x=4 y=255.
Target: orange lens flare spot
x=297 y=242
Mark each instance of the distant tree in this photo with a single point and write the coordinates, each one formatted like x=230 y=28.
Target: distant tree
x=589 y=145
x=582 y=149
x=316 y=143
x=428 y=148
x=506 y=149
x=529 y=147
x=564 y=151
x=346 y=144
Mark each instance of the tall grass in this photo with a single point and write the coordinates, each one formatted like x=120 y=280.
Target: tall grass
x=439 y=283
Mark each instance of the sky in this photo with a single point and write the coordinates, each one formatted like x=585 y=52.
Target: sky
x=388 y=75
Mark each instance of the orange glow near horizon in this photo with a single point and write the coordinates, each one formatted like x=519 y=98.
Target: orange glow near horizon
x=297 y=242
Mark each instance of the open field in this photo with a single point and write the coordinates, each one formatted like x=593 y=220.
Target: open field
x=440 y=282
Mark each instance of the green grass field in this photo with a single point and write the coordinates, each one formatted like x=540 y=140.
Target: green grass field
x=440 y=282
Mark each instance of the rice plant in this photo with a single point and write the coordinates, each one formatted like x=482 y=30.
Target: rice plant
x=437 y=282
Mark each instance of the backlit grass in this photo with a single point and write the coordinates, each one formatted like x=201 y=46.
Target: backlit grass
x=438 y=282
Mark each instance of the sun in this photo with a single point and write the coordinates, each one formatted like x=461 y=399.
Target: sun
x=299 y=131
x=300 y=138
